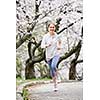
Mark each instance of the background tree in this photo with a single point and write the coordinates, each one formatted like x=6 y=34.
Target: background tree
x=33 y=18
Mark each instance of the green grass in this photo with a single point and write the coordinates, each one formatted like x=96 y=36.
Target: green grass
x=20 y=81
x=44 y=79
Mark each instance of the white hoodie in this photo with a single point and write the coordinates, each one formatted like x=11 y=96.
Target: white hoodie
x=53 y=41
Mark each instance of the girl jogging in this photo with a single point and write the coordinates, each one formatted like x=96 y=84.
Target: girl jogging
x=52 y=43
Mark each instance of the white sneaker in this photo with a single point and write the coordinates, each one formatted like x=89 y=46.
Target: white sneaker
x=55 y=89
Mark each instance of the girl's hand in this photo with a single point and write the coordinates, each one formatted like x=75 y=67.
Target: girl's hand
x=48 y=45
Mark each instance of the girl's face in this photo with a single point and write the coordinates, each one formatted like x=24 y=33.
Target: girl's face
x=51 y=28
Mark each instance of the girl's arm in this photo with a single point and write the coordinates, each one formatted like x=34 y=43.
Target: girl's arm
x=44 y=44
x=59 y=45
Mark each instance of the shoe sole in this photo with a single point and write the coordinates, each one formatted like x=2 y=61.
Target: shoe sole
x=55 y=90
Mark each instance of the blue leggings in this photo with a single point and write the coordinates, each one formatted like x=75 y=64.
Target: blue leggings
x=53 y=65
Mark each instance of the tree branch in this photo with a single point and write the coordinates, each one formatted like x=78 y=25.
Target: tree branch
x=72 y=51
x=79 y=61
x=22 y=40
x=69 y=25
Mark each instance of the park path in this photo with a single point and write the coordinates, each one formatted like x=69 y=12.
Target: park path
x=66 y=91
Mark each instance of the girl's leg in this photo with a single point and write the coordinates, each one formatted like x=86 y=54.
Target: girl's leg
x=54 y=69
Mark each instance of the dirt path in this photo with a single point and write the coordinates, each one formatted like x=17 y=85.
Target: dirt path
x=66 y=91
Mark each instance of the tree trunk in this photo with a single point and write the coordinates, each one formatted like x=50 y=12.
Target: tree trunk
x=72 y=71
x=29 y=71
